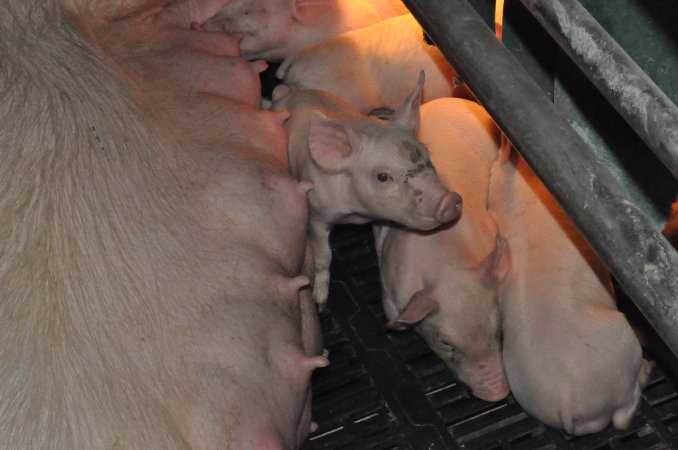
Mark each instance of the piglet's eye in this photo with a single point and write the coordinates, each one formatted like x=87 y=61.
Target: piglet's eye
x=383 y=177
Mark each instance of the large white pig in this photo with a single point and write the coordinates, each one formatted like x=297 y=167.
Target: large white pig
x=151 y=236
x=571 y=358
x=274 y=29
x=372 y=67
x=444 y=282
x=361 y=169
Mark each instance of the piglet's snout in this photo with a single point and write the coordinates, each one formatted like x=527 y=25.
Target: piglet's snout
x=489 y=383
x=493 y=392
x=449 y=207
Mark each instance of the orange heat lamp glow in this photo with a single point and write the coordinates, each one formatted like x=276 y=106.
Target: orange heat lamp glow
x=498 y=18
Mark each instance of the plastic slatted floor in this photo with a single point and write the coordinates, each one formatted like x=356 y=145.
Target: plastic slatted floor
x=386 y=390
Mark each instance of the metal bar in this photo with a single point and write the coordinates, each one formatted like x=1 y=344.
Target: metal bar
x=641 y=259
x=634 y=95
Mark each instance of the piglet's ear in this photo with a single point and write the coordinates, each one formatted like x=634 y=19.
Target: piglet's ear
x=311 y=12
x=503 y=264
x=416 y=310
x=407 y=113
x=330 y=143
x=496 y=265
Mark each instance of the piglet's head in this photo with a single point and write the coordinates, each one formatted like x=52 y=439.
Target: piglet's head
x=460 y=320
x=385 y=172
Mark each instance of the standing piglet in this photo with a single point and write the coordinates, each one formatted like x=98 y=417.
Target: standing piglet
x=444 y=282
x=372 y=67
x=362 y=169
x=274 y=29
x=571 y=358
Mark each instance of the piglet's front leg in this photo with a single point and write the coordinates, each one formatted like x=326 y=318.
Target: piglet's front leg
x=319 y=236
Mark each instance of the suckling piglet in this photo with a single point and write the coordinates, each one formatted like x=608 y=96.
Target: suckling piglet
x=362 y=169
x=572 y=360
x=274 y=29
x=444 y=282
x=371 y=67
